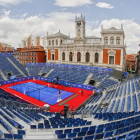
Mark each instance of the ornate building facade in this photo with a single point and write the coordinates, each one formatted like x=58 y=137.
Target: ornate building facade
x=107 y=51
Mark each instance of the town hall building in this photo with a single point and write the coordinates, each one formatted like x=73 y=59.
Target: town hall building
x=107 y=51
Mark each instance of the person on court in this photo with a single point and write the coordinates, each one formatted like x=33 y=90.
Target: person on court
x=72 y=112
x=59 y=96
x=81 y=92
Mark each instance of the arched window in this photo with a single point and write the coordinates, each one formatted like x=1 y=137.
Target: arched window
x=87 y=57
x=70 y=56
x=118 y=40
x=63 y=56
x=78 y=57
x=112 y=40
x=53 y=42
x=49 y=42
x=61 y=42
x=56 y=42
x=106 y=40
x=96 y=57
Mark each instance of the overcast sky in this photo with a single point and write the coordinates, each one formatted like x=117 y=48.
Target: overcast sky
x=21 y=18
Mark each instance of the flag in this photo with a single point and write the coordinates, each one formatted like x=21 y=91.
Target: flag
x=6 y=49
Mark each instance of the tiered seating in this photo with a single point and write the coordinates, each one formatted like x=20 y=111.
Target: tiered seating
x=113 y=130
x=34 y=70
x=112 y=105
x=106 y=83
x=135 y=102
x=6 y=66
x=123 y=104
x=19 y=65
x=121 y=110
x=71 y=75
x=128 y=103
x=74 y=74
x=1 y=79
x=117 y=106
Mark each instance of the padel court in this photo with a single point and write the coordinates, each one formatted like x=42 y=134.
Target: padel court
x=42 y=93
x=39 y=93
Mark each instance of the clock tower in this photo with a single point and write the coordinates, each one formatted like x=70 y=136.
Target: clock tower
x=80 y=27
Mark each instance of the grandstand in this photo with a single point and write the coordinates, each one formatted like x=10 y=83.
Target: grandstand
x=112 y=112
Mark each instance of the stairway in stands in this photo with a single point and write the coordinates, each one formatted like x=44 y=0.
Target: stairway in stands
x=3 y=76
x=49 y=72
x=16 y=66
x=88 y=79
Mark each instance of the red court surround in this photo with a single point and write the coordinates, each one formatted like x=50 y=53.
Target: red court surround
x=75 y=102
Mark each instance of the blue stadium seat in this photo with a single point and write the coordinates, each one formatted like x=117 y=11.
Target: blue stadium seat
x=98 y=136
x=21 y=132
x=75 y=130
x=71 y=135
x=80 y=134
x=58 y=132
x=91 y=132
x=61 y=136
x=84 y=128
x=69 y=125
x=89 y=138
x=77 y=138
x=8 y=136
x=66 y=131
x=108 y=134
x=18 y=137
x=47 y=126
x=33 y=126
x=40 y=126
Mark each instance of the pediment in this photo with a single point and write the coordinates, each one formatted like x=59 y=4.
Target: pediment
x=113 y=52
x=52 y=51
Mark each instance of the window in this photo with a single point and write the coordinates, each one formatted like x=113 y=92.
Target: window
x=56 y=42
x=78 y=57
x=96 y=57
x=111 y=59
x=70 y=56
x=112 y=40
x=34 y=53
x=53 y=42
x=78 y=24
x=106 y=40
x=49 y=42
x=52 y=56
x=87 y=56
x=61 y=41
x=118 y=40
x=63 y=56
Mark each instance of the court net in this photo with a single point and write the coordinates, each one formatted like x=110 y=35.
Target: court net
x=27 y=92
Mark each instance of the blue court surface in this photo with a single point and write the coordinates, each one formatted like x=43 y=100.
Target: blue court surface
x=40 y=92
